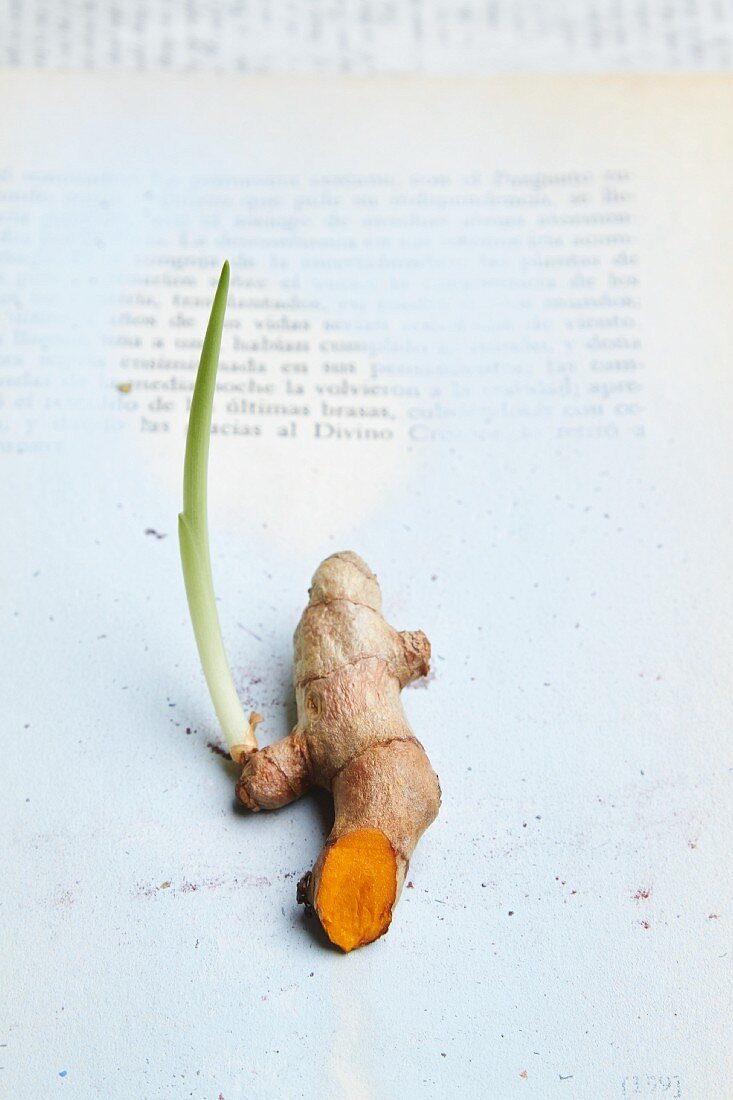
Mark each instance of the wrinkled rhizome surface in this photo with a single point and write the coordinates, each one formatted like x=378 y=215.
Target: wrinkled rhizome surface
x=352 y=737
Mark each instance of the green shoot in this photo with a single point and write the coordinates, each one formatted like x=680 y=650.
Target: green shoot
x=193 y=535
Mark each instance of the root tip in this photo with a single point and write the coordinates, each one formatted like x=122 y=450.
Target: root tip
x=357 y=888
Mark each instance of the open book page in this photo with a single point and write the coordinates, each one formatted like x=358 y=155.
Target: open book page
x=478 y=332
x=458 y=36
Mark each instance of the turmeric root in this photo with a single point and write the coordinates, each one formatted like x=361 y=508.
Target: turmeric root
x=352 y=737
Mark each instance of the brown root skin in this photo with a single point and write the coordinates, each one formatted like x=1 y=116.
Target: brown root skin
x=352 y=737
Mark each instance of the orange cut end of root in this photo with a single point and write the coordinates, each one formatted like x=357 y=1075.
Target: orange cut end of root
x=357 y=888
